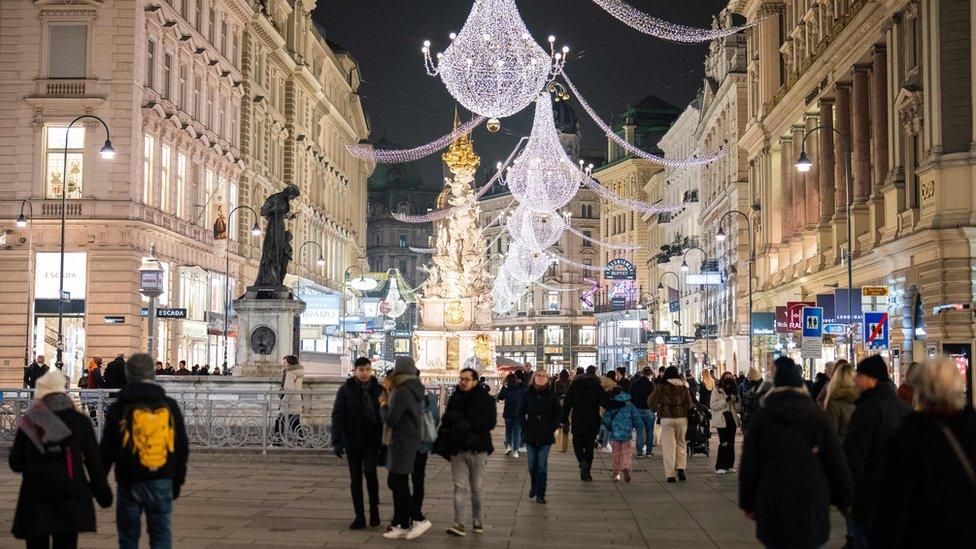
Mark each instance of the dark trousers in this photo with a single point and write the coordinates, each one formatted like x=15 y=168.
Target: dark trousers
x=583 y=446
x=417 y=479
x=286 y=425
x=404 y=509
x=726 y=447
x=65 y=540
x=362 y=462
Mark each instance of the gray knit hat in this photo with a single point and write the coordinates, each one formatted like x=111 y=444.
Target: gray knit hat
x=139 y=367
x=405 y=365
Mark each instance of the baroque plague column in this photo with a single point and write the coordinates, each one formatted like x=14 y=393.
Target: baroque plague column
x=455 y=308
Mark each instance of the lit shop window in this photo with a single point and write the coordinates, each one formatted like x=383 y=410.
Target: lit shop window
x=554 y=335
x=587 y=335
x=55 y=175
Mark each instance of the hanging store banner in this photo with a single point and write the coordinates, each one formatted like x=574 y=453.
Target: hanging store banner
x=47 y=274
x=763 y=324
x=321 y=309
x=826 y=302
x=843 y=313
x=620 y=269
x=794 y=313
x=703 y=279
x=782 y=321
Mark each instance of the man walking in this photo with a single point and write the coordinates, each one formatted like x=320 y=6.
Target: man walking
x=640 y=390
x=581 y=409
x=878 y=414
x=115 y=373
x=145 y=439
x=465 y=439
x=357 y=432
x=34 y=371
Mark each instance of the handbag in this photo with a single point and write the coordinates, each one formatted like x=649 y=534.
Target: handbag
x=967 y=467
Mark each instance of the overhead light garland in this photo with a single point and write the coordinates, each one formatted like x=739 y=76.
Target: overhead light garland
x=577 y=264
x=543 y=178
x=493 y=66
x=535 y=230
x=659 y=28
x=400 y=156
x=629 y=203
x=603 y=243
x=693 y=160
x=557 y=289
x=422 y=250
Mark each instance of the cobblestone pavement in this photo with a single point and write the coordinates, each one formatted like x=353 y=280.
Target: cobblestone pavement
x=233 y=501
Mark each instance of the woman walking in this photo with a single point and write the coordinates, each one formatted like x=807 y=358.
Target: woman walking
x=706 y=387
x=54 y=448
x=841 y=394
x=511 y=394
x=562 y=387
x=540 y=413
x=671 y=400
x=725 y=416
x=621 y=424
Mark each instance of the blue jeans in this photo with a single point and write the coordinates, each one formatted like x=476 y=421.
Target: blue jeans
x=155 y=497
x=513 y=433
x=645 y=431
x=538 y=455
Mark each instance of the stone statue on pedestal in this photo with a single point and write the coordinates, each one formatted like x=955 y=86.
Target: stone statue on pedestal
x=276 y=251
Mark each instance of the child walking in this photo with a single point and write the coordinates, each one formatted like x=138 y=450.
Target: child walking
x=621 y=424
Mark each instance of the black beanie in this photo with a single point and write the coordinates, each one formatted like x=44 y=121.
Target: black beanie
x=873 y=366
x=787 y=373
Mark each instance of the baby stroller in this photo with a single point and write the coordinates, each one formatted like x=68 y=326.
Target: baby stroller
x=699 y=430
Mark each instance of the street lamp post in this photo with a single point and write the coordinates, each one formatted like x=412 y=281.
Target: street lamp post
x=803 y=164
x=151 y=285
x=255 y=231
x=720 y=236
x=685 y=268
x=108 y=153
x=362 y=283
x=297 y=345
x=21 y=223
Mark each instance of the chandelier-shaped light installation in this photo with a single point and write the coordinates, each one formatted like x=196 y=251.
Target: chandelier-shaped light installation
x=493 y=67
x=501 y=294
x=400 y=156
x=543 y=178
x=535 y=230
x=694 y=160
x=659 y=28
x=525 y=265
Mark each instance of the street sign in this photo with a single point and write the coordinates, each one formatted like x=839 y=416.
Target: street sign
x=812 y=347
x=675 y=340
x=876 y=330
x=813 y=322
x=835 y=329
x=874 y=291
x=171 y=313
x=703 y=279
x=114 y=320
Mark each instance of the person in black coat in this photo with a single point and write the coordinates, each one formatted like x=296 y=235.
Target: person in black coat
x=792 y=466
x=581 y=409
x=640 y=390
x=878 y=413
x=926 y=493
x=511 y=394
x=54 y=447
x=357 y=432
x=34 y=371
x=115 y=373
x=540 y=414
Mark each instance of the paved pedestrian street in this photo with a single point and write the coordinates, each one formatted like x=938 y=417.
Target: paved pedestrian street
x=233 y=501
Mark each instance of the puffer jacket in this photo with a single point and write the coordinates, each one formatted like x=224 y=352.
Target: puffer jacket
x=840 y=408
x=719 y=405
x=539 y=413
x=670 y=399
x=511 y=394
x=621 y=422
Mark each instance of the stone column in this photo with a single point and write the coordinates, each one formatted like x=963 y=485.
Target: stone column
x=841 y=151
x=787 y=159
x=862 y=135
x=879 y=115
x=825 y=159
x=769 y=55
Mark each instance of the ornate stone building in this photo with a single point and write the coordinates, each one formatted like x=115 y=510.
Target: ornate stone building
x=895 y=80
x=178 y=82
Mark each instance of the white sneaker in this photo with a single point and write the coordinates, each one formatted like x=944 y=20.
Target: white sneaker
x=396 y=533
x=515 y=454
x=419 y=528
x=508 y=449
x=720 y=471
x=730 y=471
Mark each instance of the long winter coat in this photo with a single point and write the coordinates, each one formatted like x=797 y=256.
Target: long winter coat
x=540 y=414
x=640 y=391
x=792 y=469
x=511 y=395
x=291 y=380
x=926 y=499
x=622 y=422
x=877 y=415
x=40 y=514
x=115 y=374
x=356 y=414
x=719 y=405
x=840 y=408
x=466 y=424
x=581 y=407
x=403 y=415
x=671 y=399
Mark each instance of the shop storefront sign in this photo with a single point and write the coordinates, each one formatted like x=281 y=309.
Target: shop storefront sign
x=826 y=302
x=114 y=320
x=619 y=269
x=321 y=309
x=171 y=313
x=47 y=274
x=843 y=313
x=703 y=279
x=763 y=324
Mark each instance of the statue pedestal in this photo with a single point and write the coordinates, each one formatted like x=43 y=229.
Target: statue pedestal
x=266 y=330
x=452 y=331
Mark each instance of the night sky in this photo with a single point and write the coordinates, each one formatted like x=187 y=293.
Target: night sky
x=611 y=64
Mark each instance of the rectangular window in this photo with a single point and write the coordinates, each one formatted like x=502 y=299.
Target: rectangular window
x=223 y=38
x=516 y=337
x=210 y=107
x=208 y=186
x=164 y=157
x=55 y=161
x=587 y=335
x=167 y=74
x=182 y=93
x=198 y=16
x=151 y=64
x=529 y=336
x=403 y=266
x=552 y=302
x=554 y=335
x=587 y=235
x=180 y=184
x=231 y=204
x=148 y=147
x=212 y=28
x=197 y=86
x=234 y=48
x=403 y=241
x=67 y=50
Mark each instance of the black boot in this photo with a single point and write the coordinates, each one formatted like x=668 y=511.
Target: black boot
x=358 y=523
x=374 y=517
x=681 y=475
x=586 y=474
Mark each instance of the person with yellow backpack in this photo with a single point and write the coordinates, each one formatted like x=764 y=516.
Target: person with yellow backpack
x=145 y=438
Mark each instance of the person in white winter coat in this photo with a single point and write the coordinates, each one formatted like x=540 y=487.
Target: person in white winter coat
x=290 y=412
x=725 y=406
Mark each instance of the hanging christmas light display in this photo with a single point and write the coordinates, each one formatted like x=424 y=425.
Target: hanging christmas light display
x=493 y=66
x=525 y=265
x=535 y=230
x=393 y=305
x=659 y=28
x=694 y=160
x=399 y=156
x=543 y=178
x=602 y=243
x=577 y=264
x=501 y=295
x=629 y=203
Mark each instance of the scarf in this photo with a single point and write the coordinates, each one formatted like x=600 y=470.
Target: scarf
x=41 y=425
x=368 y=411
